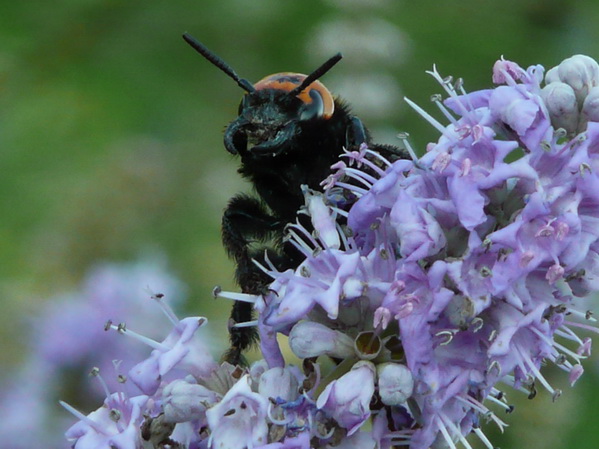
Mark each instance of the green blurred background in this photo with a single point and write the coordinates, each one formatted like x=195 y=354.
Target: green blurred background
x=111 y=132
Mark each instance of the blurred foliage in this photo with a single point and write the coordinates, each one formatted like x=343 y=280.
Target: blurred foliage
x=111 y=135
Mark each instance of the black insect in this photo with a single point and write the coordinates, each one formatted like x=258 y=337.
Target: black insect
x=289 y=132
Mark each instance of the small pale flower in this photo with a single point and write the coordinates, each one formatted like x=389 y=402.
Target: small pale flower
x=181 y=349
x=116 y=424
x=184 y=401
x=279 y=384
x=347 y=399
x=239 y=420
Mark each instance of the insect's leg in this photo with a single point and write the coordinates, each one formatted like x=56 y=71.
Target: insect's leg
x=244 y=221
x=356 y=134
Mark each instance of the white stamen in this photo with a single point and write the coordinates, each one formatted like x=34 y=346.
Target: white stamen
x=300 y=243
x=568 y=334
x=358 y=191
x=166 y=309
x=535 y=371
x=582 y=326
x=95 y=372
x=301 y=249
x=404 y=139
x=482 y=437
x=455 y=430
x=449 y=89
x=148 y=341
x=342 y=236
x=361 y=176
x=236 y=296
x=444 y=84
x=253 y=323
x=445 y=433
x=557 y=345
x=270 y=272
x=503 y=405
x=340 y=211
x=77 y=414
x=369 y=163
x=584 y=315
x=426 y=116
x=305 y=232
x=437 y=100
x=379 y=156
x=510 y=381
x=482 y=409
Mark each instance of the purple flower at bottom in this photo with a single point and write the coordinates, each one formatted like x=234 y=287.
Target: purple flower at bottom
x=116 y=424
x=347 y=399
x=179 y=350
x=239 y=420
x=68 y=338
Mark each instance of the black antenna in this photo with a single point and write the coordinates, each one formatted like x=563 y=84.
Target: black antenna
x=320 y=71
x=201 y=49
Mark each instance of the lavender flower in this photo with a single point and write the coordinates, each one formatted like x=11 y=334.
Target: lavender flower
x=68 y=339
x=449 y=276
x=347 y=399
x=239 y=419
x=465 y=263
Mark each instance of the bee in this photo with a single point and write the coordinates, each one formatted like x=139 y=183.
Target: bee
x=288 y=132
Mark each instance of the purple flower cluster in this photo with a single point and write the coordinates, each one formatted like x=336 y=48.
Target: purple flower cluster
x=450 y=276
x=68 y=338
x=460 y=269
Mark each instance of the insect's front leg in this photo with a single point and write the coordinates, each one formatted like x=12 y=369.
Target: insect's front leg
x=357 y=134
x=244 y=222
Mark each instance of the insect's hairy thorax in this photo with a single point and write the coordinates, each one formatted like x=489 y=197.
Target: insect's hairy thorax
x=304 y=159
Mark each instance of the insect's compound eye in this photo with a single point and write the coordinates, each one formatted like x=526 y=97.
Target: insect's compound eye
x=243 y=104
x=313 y=109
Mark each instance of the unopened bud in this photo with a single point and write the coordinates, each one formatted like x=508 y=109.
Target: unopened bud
x=560 y=100
x=590 y=107
x=581 y=73
x=396 y=383
x=310 y=339
x=185 y=402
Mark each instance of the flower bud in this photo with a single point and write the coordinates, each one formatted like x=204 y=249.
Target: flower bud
x=396 y=383
x=552 y=75
x=590 y=107
x=581 y=73
x=560 y=100
x=310 y=339
x=279 y=383
x=185 y=402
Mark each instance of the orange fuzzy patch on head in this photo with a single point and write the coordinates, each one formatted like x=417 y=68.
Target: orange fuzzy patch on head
x=287 y=81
